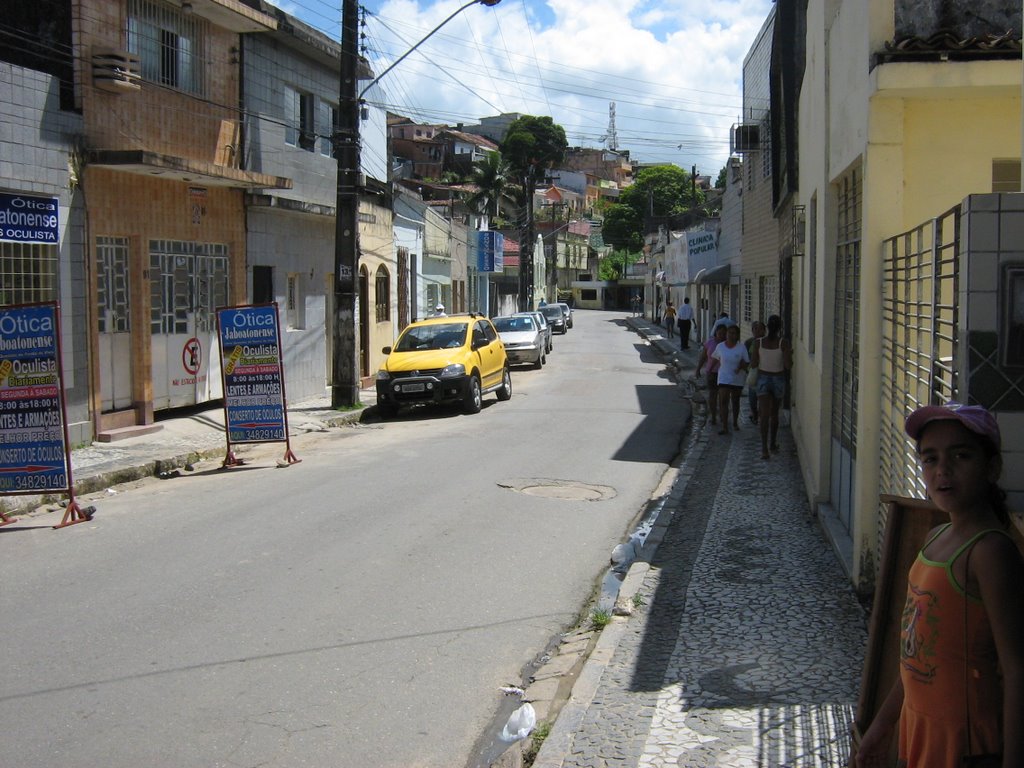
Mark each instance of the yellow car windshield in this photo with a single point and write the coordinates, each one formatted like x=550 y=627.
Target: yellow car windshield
x=434 y=336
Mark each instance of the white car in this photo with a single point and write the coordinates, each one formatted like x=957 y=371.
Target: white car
x=523 y=339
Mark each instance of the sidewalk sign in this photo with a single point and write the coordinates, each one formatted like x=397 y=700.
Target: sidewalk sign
x=35 y=453
x=255 y=406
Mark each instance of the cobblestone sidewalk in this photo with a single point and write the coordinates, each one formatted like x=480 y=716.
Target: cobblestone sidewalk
x=748 y=644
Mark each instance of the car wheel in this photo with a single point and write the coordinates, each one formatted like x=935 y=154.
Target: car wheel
x=387 y=410
x=543 y=358
x=505 y=390
x=539 y=364
x=473 y=399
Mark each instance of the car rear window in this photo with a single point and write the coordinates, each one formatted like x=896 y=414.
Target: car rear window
x=511 y=324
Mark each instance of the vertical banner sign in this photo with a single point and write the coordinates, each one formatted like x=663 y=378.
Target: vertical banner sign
x=250 y=355
x=33 y=443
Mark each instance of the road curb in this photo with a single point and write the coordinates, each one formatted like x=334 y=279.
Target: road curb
x=559 y=742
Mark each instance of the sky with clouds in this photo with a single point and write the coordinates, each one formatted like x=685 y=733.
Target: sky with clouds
x=672 y=68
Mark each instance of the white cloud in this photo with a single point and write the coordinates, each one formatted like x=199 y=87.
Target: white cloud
x=672 y=67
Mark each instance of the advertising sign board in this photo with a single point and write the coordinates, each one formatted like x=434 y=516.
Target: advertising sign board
x=490 y=251
x=253 y=382
x=33 y=442
x=29 y=219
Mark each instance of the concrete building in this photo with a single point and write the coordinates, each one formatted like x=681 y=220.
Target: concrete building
x=903 y=293
x=290 y=86
x=41 y=162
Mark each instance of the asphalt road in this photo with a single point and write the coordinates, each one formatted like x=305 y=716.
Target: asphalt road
x=357 y=610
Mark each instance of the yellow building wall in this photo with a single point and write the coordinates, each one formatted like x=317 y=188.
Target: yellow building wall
x=376 y=246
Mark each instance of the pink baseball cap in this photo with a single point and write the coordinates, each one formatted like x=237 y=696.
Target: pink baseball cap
x=974 y=417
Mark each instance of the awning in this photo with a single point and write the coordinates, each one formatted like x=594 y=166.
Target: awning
x=716 y=275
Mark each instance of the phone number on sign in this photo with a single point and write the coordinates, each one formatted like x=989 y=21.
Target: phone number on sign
x=34 y=483
x=241 y=436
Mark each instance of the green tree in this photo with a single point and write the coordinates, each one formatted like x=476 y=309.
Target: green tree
x=663 y=190
x=720 y=181
x=622 y=227
x=532 y=145
x=615 y=265
x=490 y=176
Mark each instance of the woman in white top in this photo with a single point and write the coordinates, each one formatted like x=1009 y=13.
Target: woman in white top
x=733 y=363
x=772 y=356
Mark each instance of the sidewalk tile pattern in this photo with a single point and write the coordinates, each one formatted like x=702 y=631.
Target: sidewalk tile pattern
x=749 y=647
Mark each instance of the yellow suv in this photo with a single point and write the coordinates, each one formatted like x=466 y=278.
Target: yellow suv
x=444 y=359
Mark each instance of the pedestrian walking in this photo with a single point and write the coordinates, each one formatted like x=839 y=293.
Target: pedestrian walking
x=759 y=330
x=684 y=317
x=772 y=357
x=959 y=698
x=706 y=356
x=670 y=318
x=733 y=362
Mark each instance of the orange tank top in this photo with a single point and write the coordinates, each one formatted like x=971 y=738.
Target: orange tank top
x=945 y=670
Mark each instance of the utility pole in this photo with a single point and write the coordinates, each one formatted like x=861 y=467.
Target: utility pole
x=345 y=365
x=345 y=362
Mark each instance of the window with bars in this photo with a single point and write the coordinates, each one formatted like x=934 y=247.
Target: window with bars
x=327 y=128
x=169 y=44
x=382 y=294
x=299 y=112
x=188 y=282
x=748 y=299
x=769 y=296
x=28 y=273
x=113 y=300
x=846 y=332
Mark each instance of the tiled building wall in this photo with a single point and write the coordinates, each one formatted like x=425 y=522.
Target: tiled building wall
x=992 y=238
x=760 y=241
x=154 y=118
x=301 y=245
x=269 y=68
x=140 y=208
x=36 y=140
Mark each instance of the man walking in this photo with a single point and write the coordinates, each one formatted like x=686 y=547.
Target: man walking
x=685 y=319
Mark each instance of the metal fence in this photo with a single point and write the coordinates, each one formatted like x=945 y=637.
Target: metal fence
x=920 y=323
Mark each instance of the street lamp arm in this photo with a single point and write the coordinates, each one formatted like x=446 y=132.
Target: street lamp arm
x=430 y=34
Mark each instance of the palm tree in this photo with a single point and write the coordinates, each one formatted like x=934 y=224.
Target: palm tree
x=490 y=176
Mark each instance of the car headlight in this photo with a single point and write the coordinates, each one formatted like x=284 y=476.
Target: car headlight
x=383 y=375
x=453 y=370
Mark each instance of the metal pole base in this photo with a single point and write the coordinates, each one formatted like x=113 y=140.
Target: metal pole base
x=75 y=514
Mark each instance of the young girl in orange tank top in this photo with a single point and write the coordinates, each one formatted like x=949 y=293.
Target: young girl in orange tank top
x=960 y=693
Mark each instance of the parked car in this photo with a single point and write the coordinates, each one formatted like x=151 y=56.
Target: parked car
x=523 y=339
x=444 y=359
x=544 y=325
x=567 y=310
x=555 y=317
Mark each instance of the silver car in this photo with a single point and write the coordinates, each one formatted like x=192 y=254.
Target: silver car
x=549 y=345
x=523 y=339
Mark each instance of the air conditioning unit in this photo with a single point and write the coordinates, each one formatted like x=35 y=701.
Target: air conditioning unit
x=116 y=71
x=745 y=137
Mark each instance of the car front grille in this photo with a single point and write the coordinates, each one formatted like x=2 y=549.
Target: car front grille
x=407 y=374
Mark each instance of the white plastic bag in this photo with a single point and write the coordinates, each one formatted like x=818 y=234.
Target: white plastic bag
x=520 y=723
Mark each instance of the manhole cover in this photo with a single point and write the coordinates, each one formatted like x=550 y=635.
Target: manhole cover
x=569 y=490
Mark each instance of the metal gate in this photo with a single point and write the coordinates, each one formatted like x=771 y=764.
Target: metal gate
x=188 y=282
x=919 y=341
x=846 y=348
x=113 y=315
